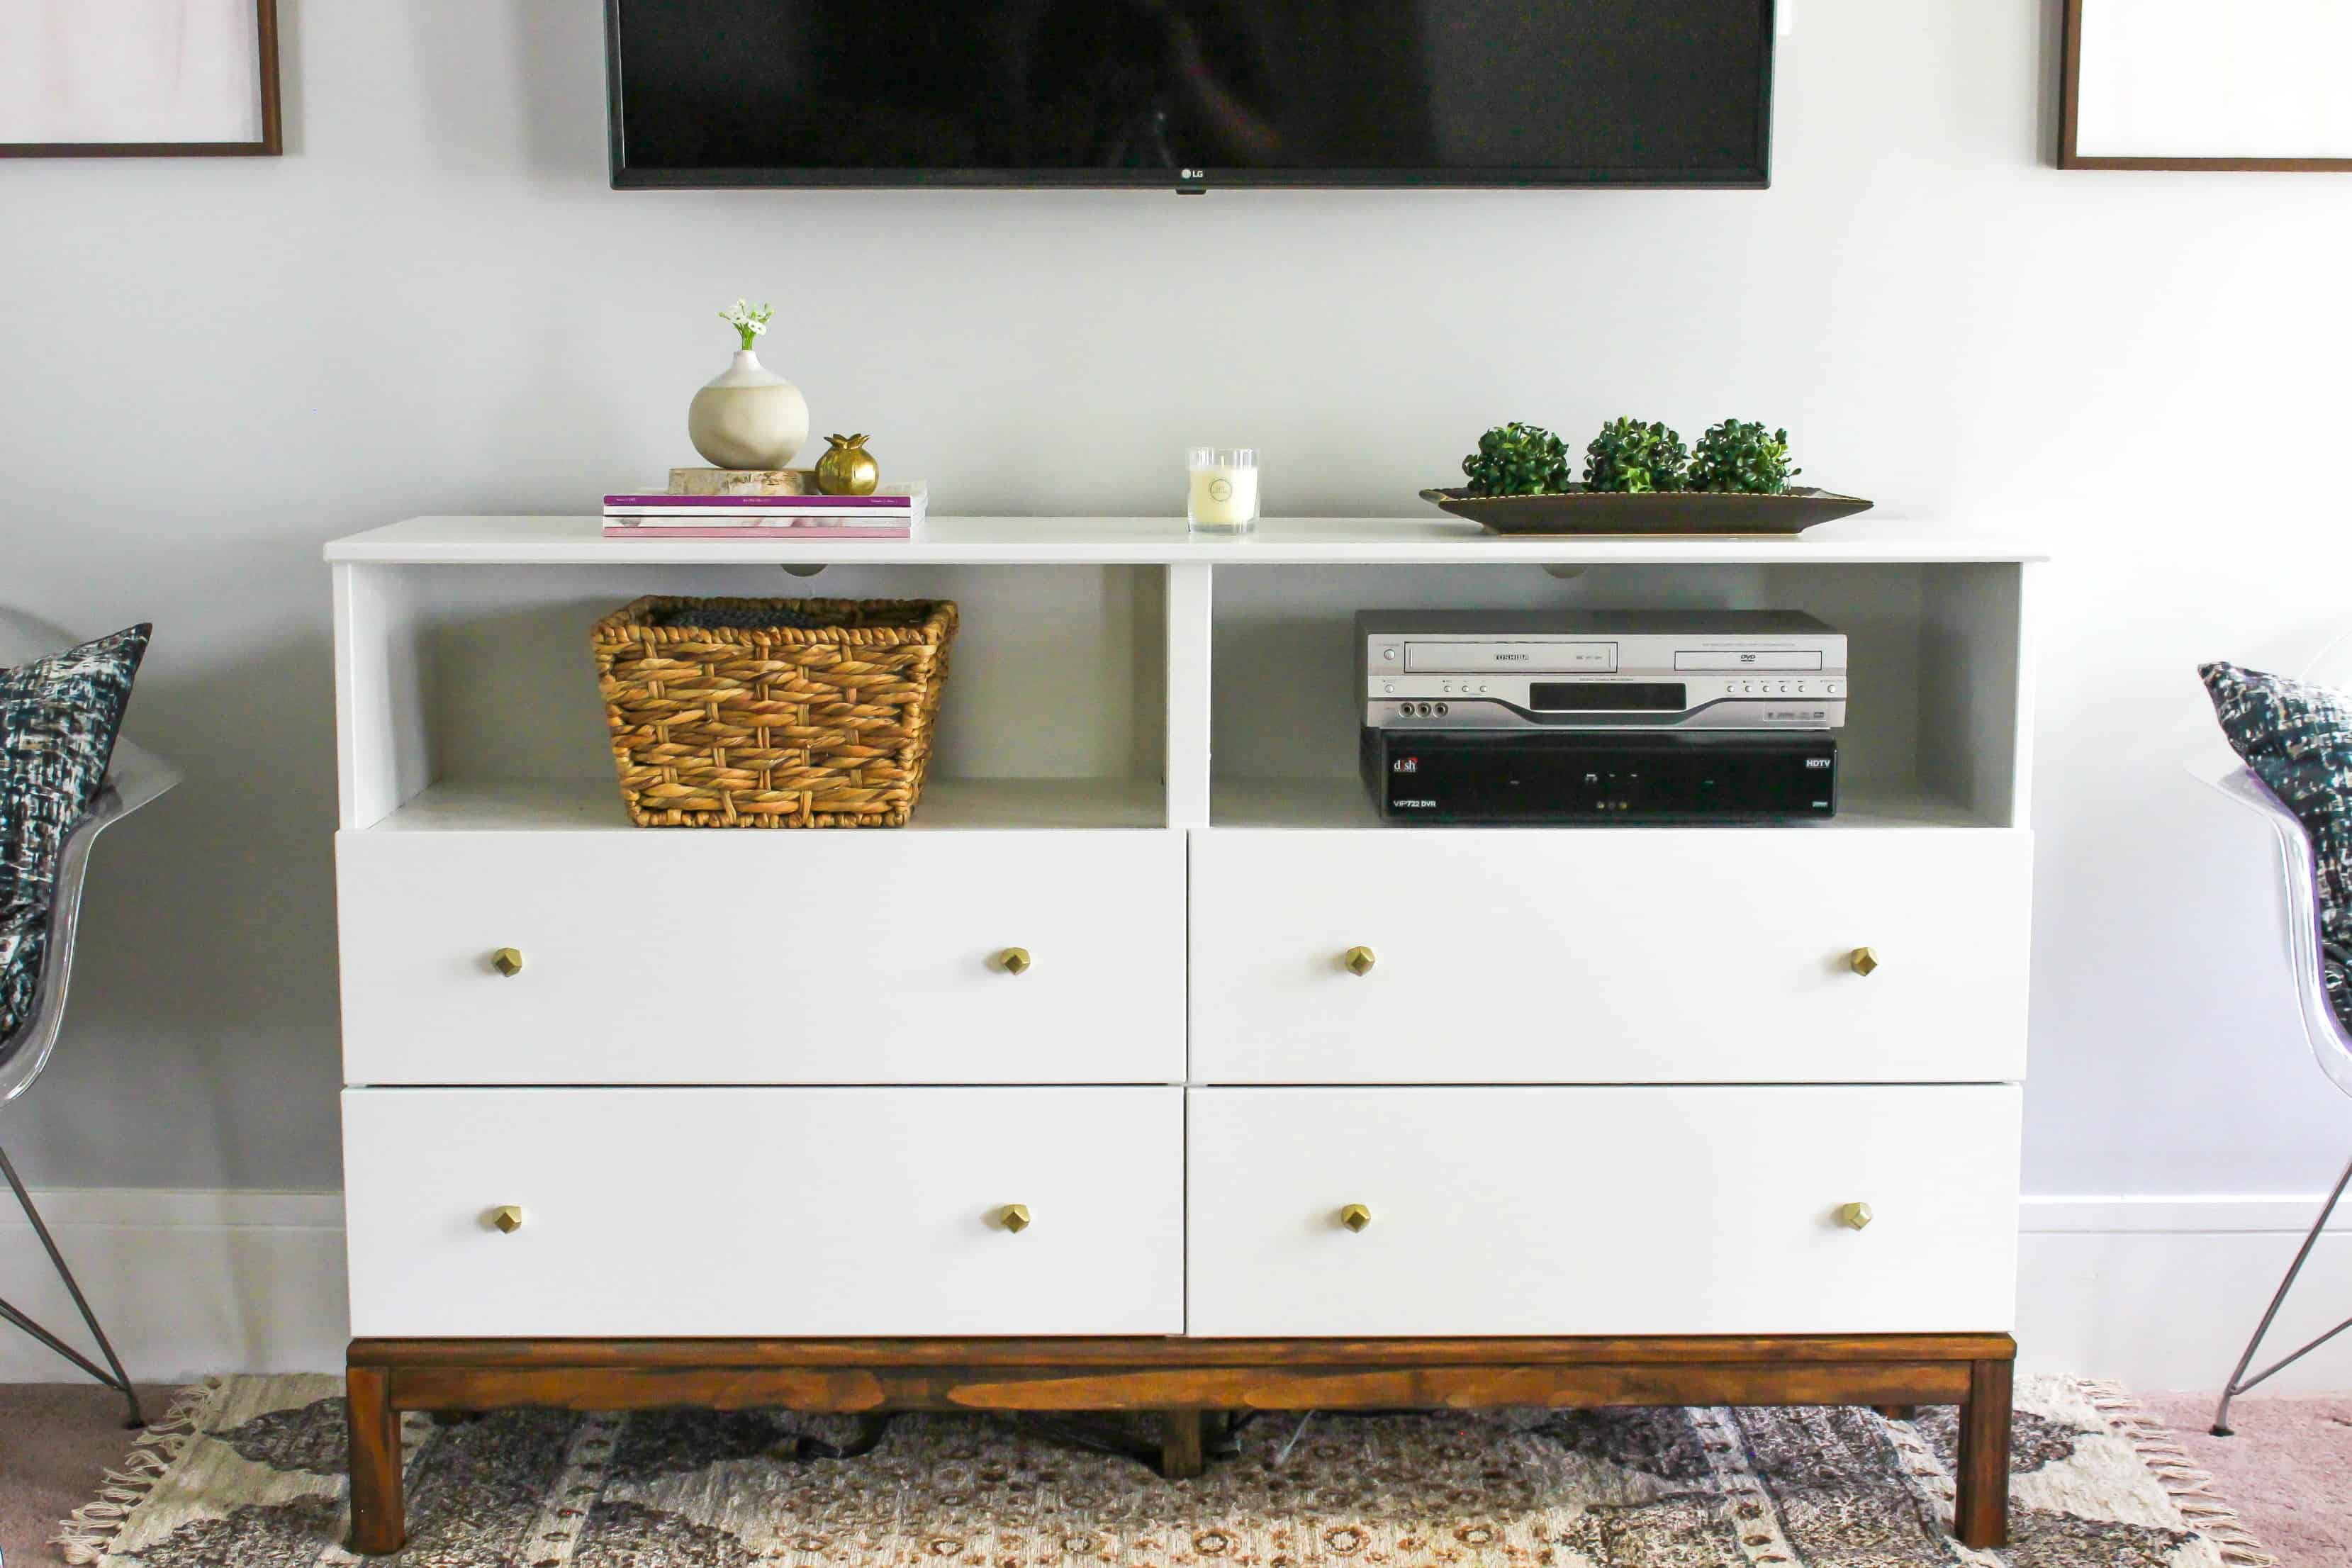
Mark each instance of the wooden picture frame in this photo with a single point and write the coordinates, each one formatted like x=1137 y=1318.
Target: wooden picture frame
x=269 y=144
x=2106 y=155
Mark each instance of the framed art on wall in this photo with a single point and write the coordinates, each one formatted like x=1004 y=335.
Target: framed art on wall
x=138 y=78
x=2207 y=84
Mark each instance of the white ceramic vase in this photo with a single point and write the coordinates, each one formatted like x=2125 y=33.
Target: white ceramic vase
x=747 y=417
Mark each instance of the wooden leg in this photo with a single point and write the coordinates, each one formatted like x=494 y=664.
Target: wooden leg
x=1981 y=1511
x=1897 y=1412
x=1179 y=1444
x=379 y=1522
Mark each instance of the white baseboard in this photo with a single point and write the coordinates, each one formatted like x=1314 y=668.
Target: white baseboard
x=185 y=1282
x=2161 y=1293
x=2176 y=1215
x=2157 y=1293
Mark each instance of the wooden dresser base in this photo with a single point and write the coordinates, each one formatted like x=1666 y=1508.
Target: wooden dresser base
x=1183 y=1378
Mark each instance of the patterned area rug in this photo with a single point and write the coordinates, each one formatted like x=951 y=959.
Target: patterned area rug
x=248 y=1471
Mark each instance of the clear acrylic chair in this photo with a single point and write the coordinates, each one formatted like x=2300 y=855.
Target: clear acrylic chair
x=133 y=778
x=2330 y=1042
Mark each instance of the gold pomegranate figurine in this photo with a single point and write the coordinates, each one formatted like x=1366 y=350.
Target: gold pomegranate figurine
x=848 y=470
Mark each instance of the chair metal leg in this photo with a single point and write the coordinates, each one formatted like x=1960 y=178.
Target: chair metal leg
x=120 y=1381
x=2239 y=1382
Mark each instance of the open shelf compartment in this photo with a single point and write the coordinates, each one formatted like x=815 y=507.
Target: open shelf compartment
x=470 y=696
x=1934 y=736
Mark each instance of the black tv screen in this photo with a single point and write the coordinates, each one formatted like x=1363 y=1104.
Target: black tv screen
x=1190 y=93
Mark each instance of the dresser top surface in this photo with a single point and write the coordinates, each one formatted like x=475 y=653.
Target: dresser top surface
x=1155 y=541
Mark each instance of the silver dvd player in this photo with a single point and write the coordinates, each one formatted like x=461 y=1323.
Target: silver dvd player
x=1599 y=669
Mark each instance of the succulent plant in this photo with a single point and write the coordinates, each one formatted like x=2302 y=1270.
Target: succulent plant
x=1518 y=459
x=1630 y=455
x=1739 y=456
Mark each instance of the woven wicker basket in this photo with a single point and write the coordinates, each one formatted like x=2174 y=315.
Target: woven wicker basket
x=827 y=726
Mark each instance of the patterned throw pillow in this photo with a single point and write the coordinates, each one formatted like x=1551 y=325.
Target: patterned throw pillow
x=2297 y=739
x=57 y=721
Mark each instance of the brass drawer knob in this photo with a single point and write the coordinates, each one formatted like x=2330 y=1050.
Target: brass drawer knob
x=1014 y=1218
x=1862 y=959
x=508 y=960
x=1359 y=961
x=1014 y=960
x=507 y=1217
x=1355 y=1216
x=1854 y=1217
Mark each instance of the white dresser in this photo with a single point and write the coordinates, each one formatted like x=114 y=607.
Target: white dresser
x=1063 y=1096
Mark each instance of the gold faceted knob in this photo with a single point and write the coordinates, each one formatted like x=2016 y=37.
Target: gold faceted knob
x=1014 y=1218
x=1014 y=960
x=507 y=1217
x=1355 y=1216
x=1862 y=959
x=1854 y=1217
x=1359 y=961
x=508 y=960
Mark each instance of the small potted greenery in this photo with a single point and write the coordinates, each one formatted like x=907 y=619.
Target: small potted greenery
x=1518 y=459
x=1736 y=458
x=1633 y=459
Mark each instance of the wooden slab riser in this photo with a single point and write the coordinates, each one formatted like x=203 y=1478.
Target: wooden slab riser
x=856 y=1390
x=1182 y=1379
x=1064 y=1354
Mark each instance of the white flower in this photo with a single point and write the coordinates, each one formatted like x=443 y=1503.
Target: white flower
x=743 y=318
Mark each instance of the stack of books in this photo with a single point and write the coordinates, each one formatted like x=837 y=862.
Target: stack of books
x=890 y=512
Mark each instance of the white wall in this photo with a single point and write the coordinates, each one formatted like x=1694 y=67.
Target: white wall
x=433 y=303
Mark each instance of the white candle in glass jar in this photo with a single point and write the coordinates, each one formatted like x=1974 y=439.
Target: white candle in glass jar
x=1224 y=497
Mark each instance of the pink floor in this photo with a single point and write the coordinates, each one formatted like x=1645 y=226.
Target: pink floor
x=2288 y=1470
x=56 y=1442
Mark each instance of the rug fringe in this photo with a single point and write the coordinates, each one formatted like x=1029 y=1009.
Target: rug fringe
x=89 y=1535
x=2191 y=1488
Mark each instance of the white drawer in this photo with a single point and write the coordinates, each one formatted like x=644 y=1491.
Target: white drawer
x=1601 y=1211
x=1617 y=955
x=686 y=1212
x=744 y=956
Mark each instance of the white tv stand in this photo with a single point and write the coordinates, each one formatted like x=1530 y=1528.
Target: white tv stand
x=765 y=1117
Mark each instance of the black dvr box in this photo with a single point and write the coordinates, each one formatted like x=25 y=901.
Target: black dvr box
x=1470 y=777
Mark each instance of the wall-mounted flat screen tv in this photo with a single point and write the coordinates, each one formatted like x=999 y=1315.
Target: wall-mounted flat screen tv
x=1190 y=94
